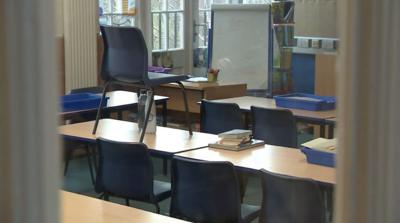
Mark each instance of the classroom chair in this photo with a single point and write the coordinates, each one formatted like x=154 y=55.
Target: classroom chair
x=274 y=126
x=217 y=117
x=125 y=62
x=71 y=146
x=204 y=191
x=291 y=200
x=126 y=171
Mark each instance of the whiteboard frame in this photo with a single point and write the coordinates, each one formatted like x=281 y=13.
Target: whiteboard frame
x=250 y=7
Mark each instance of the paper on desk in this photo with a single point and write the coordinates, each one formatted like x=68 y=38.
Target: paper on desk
x=322 y=144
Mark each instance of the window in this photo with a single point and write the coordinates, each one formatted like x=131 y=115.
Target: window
x=167 y=19
x=117 y=12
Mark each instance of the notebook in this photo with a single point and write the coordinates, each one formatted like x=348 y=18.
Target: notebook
x=235 y=134
x=251 y=144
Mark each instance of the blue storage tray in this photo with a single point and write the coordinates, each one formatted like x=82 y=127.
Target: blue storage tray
x=319 y=157
x=80 y=101
x=305 y=101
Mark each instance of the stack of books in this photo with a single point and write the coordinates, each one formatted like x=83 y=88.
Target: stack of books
x=237 y=139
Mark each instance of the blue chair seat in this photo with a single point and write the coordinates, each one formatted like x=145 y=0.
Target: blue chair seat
x=162 y=190
x=249 y=212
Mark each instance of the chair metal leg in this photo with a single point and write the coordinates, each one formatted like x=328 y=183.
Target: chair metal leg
x=94 y=156
x=127 y=201
x=147 y=117
x=99 y=110
x=106 y=197
x=67 y=159
x=165 y=166
x=157 y=208
x=188 y=121
x=90 y=164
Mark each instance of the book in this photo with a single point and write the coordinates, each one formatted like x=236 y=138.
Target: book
x=233 y=141
x=321 y=144
x=235 y=134
x=242 y=146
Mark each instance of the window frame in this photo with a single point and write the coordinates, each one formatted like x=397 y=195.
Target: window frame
x=167 y=14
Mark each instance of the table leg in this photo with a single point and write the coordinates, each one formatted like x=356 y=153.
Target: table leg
x=119 y=115
x=330 y=131
x=322 y=130
x=164 y=113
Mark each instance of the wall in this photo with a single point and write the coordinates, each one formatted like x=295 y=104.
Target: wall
x=316 y=18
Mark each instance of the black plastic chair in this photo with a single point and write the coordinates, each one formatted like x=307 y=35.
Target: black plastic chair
x=207 y=192
x=126 y=170
x=217 y=117
x=274 y=126
x=125 y=62
x=291 y=200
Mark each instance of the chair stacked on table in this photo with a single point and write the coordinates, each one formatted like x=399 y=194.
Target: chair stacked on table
x=125 y=62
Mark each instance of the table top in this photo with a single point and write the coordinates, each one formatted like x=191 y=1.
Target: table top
x=276 y=159
x=246 y=102
x=118 y=99
x=78 y=208
x=165 y=140
x=201 y=85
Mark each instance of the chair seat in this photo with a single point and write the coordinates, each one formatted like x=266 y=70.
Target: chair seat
x=162 y=190
x=161 y=78
x=249 y=212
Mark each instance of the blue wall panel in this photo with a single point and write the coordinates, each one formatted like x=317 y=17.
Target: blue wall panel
x=303 y=66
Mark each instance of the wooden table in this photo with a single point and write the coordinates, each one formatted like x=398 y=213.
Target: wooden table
x=312 y=117
x=282 y=160
x=77 y=208
x=166 y=141
x=119 y=101
x=197 y=91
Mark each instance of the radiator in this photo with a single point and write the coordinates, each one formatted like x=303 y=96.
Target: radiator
x=80 y=43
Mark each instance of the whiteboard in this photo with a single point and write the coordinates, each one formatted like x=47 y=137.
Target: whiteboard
x=240 y=44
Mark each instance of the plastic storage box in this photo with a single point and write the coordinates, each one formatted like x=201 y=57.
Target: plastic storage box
x=319 y=157
x=81 y=101
x=159 y=69
x=305 y=101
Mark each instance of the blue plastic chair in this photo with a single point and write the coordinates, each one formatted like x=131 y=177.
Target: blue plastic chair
x=207 y=192
x=125 y=62
x=291 y=200
x=126 y=170
x=274 y=126
x=218 y=117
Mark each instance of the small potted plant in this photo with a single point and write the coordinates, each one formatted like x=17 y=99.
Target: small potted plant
x=212 y=74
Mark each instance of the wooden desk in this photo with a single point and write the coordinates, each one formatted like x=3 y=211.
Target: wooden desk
x=198 y=91
x=119 y=101
x=312 y=117
x=166 y=140
x=77 y=208
x=282 y=160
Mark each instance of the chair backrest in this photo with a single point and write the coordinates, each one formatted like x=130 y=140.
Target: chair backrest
x=125 y=170
x=274 y=126
x=94 y=90
x=217 y=117
x=204 y=191
x=289 y=199
x=125 y=54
